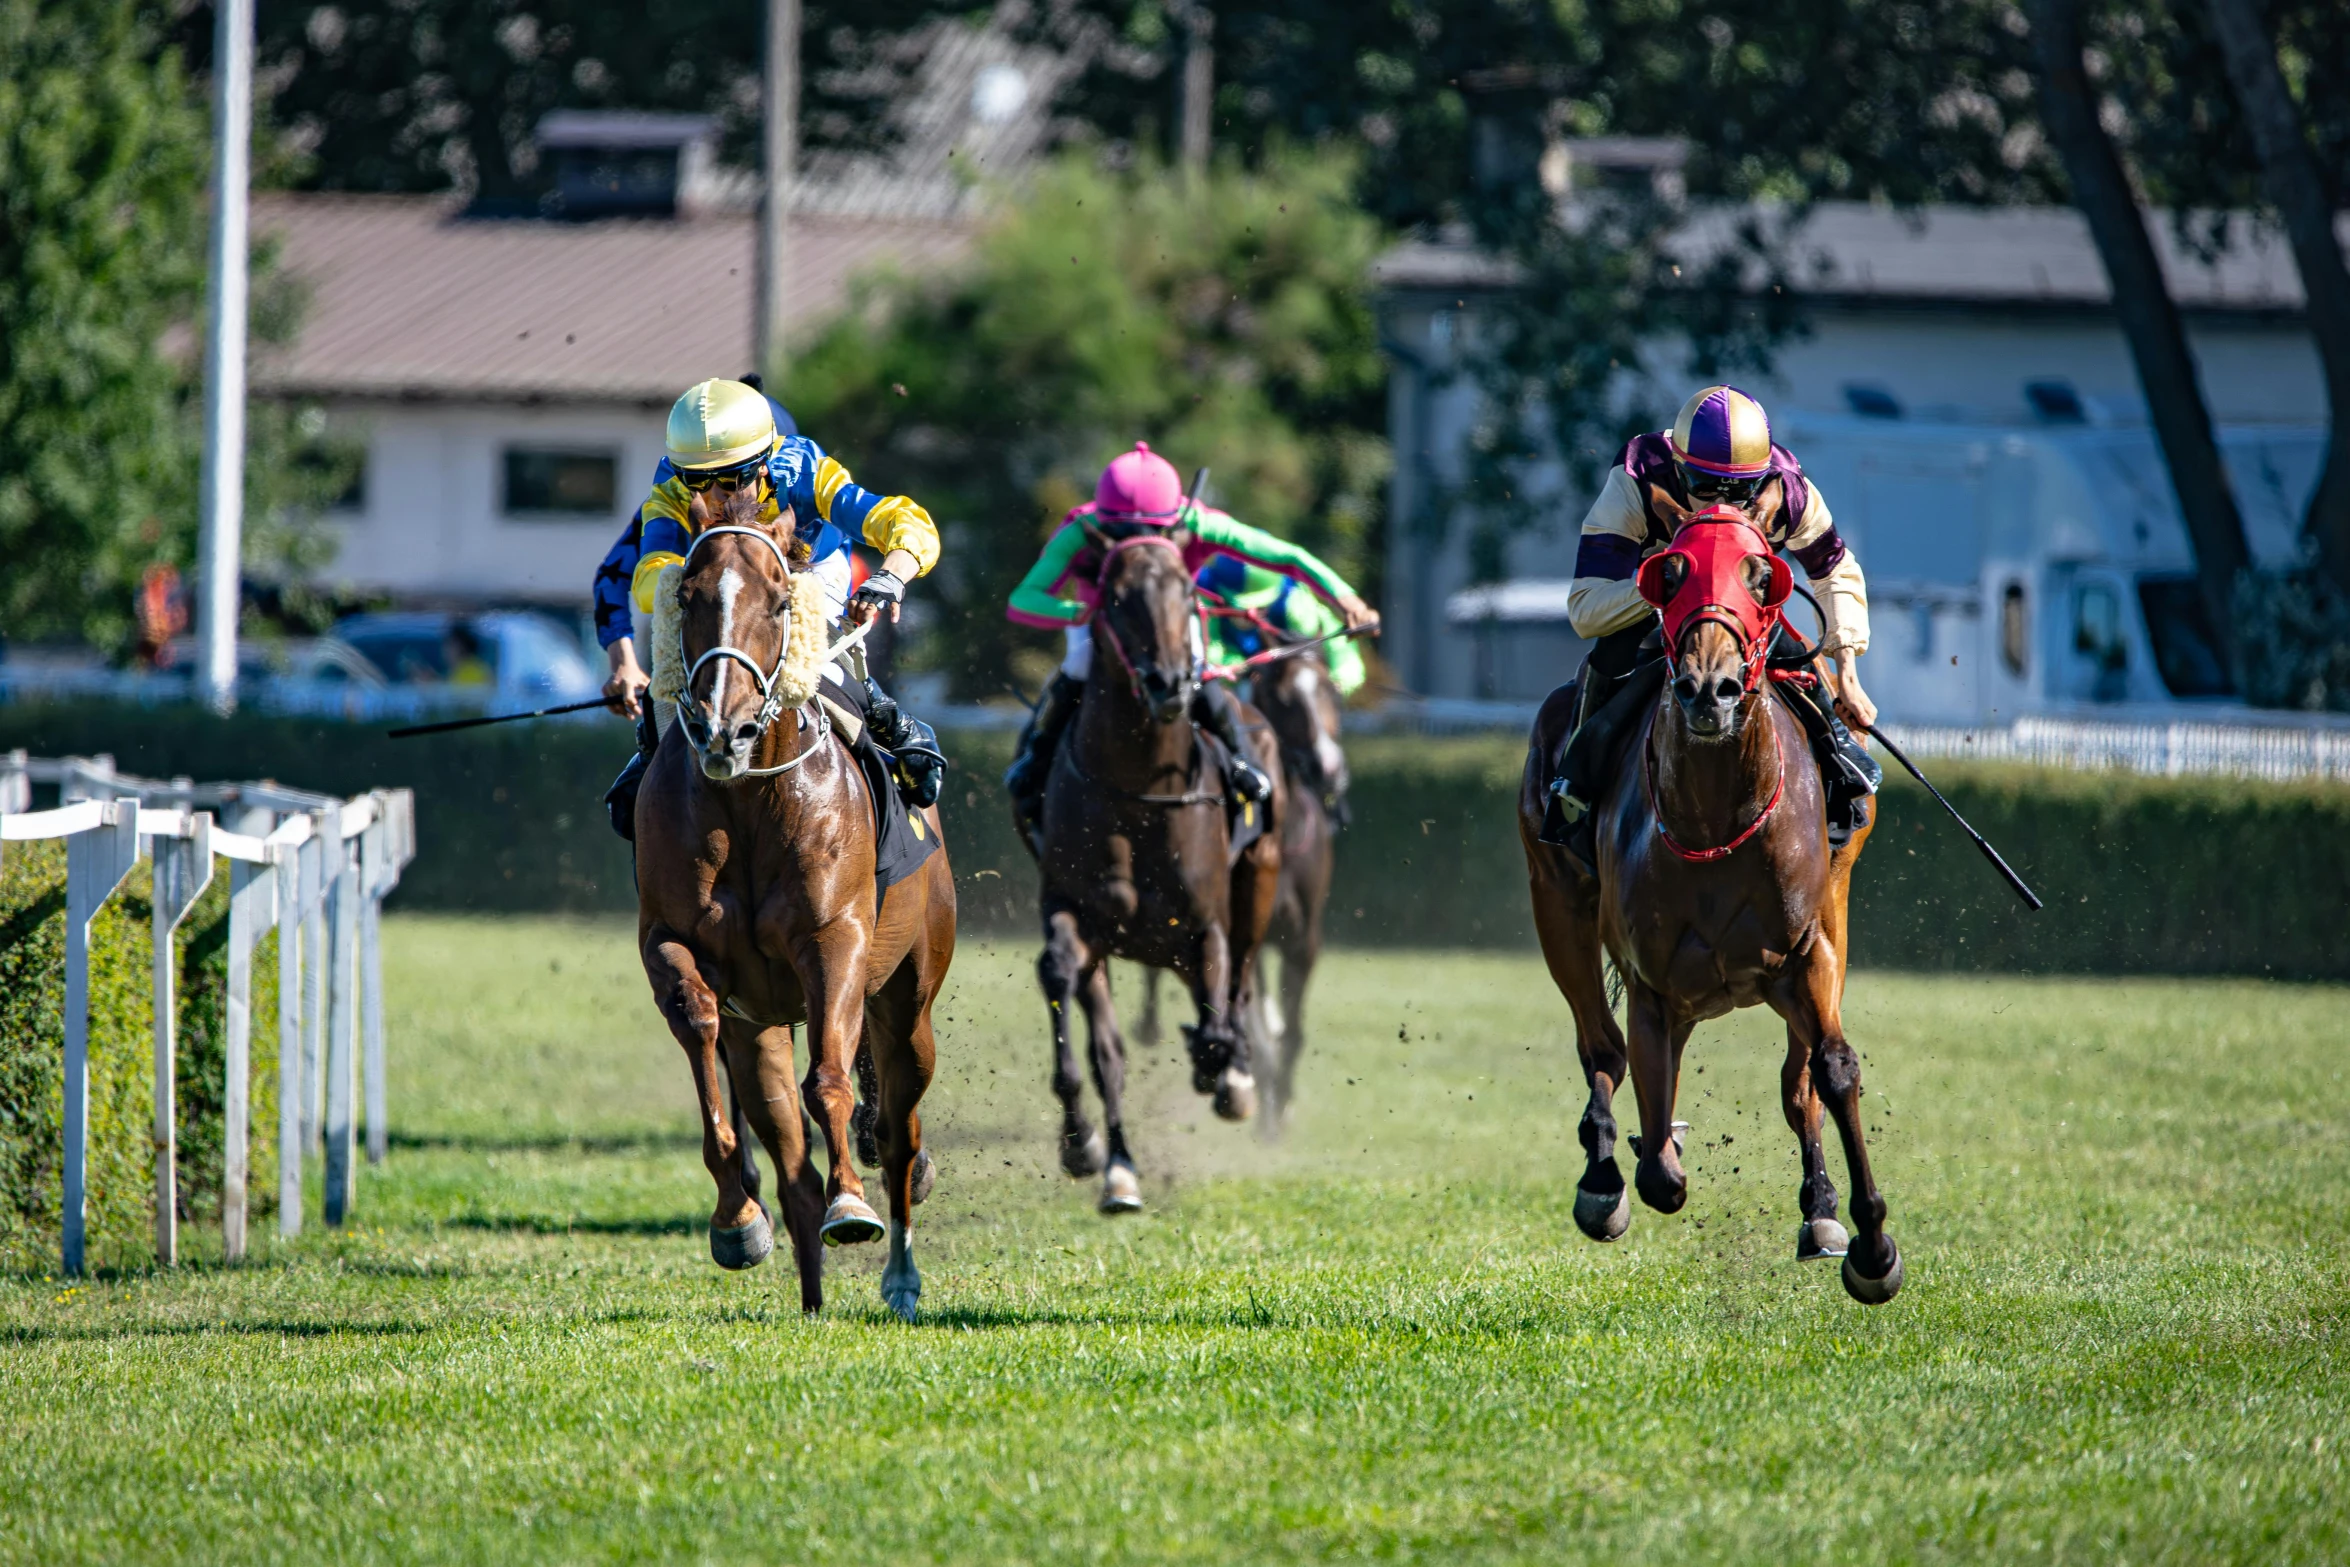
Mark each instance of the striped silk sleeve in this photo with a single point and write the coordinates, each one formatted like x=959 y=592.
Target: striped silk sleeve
x=884 y=522
x=1602 y=597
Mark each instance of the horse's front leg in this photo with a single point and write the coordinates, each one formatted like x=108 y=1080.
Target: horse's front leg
x=1121 y=1187
x=1818 y=1235
x=1807 y=999
x=1656 y=1079
x=1566 y=920
x=831 y=967
x=1219 y=1049
x=1059 y=970
x=740 y=1236
x=759 y=1060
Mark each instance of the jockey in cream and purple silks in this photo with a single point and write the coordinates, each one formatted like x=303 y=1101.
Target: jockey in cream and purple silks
x=1718 y=452
x=1140 y=489
x=727 y=435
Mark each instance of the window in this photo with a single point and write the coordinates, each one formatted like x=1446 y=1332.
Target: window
x=2015 y=630
x=2098 y=638
x=2186 y=654
x=541 y=483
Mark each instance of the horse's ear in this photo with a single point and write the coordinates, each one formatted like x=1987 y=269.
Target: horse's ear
x=1093 y=535
x=1768 y=503
x=697 y=510
x=1662 y=504
x=1661 y=577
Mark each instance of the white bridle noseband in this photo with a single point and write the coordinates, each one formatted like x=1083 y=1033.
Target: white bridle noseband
x=769 y=681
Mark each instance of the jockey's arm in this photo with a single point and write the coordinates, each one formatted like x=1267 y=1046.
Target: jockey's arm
x=1844 y=602
x=1227 y=535
x=1603 y=597
x=614 y=633
x=893 y=524
x=1037 y=601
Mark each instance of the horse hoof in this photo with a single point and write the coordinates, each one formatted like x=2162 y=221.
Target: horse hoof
x=1121 y=1190
x=1818 y=1240
x=1604 y=1216
x=849 y=1222
x=925 y=1177
x=1659 y=1190
x=902 y=1293
x=1083 y=1157
x=1236 y=1095
x=1873 y=1292
x=744 y=1246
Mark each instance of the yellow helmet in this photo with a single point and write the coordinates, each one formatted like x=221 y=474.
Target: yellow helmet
x=718 y=424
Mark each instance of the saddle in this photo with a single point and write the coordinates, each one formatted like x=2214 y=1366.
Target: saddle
x=903 y=840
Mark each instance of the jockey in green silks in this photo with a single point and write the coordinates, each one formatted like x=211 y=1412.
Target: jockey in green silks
x=1140 y=489
x=1282 y=603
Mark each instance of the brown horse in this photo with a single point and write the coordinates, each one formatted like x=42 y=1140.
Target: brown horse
x=757 y=911
x=1297 y=697
x=1715 y=888
x=1137 y=859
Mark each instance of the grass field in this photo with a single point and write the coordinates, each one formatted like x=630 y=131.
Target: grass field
x=2123 y=1207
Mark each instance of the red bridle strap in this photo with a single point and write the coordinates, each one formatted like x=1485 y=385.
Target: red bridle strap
x=1706 y=856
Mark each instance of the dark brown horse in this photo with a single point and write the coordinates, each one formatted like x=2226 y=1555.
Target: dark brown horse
x=1715 y=888
x=757 y=910
x=1298 y=699
x=1137 y=859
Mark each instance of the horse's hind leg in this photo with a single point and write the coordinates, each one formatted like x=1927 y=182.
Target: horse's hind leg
x=740 y=1236
x=1819 y=1235
x=904 y=1056
x=1300 y=951
x=1566 y=920
x=1147 y=1031
x=1059 y=971
x=1807 y=999
x=759 y=1061
x=1121 y=1187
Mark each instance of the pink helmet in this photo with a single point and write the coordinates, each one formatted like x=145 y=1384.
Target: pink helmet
x=1139 y=486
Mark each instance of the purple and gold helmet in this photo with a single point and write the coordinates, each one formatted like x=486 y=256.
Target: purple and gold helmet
x=1722 y=442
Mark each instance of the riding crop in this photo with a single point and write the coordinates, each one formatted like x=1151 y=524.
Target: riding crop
x=2031 y=900
x=447 y=724
x=494 y=718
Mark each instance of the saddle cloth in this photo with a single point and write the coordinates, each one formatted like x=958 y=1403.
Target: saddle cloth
x=1244 y=820
x=903 y=840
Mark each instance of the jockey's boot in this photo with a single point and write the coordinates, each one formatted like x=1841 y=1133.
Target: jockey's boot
x=1850 y=775
x=620 y=799
x=1609 y=705
x=1024 y=779
x=1215 y=711
x=919 y=766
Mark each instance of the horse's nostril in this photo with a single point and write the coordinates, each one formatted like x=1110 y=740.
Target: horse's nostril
x=1727 y=690
x=744 y=734
x=1685 y=688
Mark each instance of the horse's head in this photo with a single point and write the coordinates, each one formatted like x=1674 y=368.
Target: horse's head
x=1148 y=612
x=1301 y=702
x=735 y=598
x=1719 y=588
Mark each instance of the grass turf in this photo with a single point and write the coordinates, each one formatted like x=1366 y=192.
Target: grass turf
x=2122 y=1207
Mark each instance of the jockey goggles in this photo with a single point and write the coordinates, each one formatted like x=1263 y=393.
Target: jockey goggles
x=700 y=479
x=1713 y=489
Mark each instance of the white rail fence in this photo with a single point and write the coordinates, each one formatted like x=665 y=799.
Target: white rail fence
x=314 y=867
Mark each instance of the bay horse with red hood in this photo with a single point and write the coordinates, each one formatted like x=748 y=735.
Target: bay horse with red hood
x=758 y=907
x=1715 y=888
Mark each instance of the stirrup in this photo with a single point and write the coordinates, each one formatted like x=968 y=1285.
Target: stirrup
x=1246 y=779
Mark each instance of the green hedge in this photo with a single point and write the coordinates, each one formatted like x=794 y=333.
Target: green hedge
x=2140 y=874
x=120 y=1208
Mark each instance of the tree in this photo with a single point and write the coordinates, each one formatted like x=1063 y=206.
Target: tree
x=2299 y=190
x=102 y=160
x=2149 y=318
x=1224 y=319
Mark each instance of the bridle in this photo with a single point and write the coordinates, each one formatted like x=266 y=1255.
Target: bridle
x=770 y=681
x=1108 y=631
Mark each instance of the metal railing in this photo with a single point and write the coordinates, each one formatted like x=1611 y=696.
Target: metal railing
x=314 y=867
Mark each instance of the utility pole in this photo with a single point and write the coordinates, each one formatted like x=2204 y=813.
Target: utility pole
x=1194 y=127
x=222 y=481
x=781 y=143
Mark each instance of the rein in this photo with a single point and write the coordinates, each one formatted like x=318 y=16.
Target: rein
x=1706 y=856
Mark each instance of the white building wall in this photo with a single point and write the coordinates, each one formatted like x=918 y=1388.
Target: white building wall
x=433 y=524
x=1950 y=364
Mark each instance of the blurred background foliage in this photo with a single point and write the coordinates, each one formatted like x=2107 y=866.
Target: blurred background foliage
x=1226 y=319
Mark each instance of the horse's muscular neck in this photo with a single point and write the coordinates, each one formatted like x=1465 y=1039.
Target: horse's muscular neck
x=1119 y=743
x=1710 y=791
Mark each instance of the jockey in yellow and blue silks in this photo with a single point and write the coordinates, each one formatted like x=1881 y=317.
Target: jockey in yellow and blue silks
x=1285 y=606
x=723 y=436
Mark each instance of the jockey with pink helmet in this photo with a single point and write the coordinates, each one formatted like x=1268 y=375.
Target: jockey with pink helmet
x=1140 y=489
x=1719 y=451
